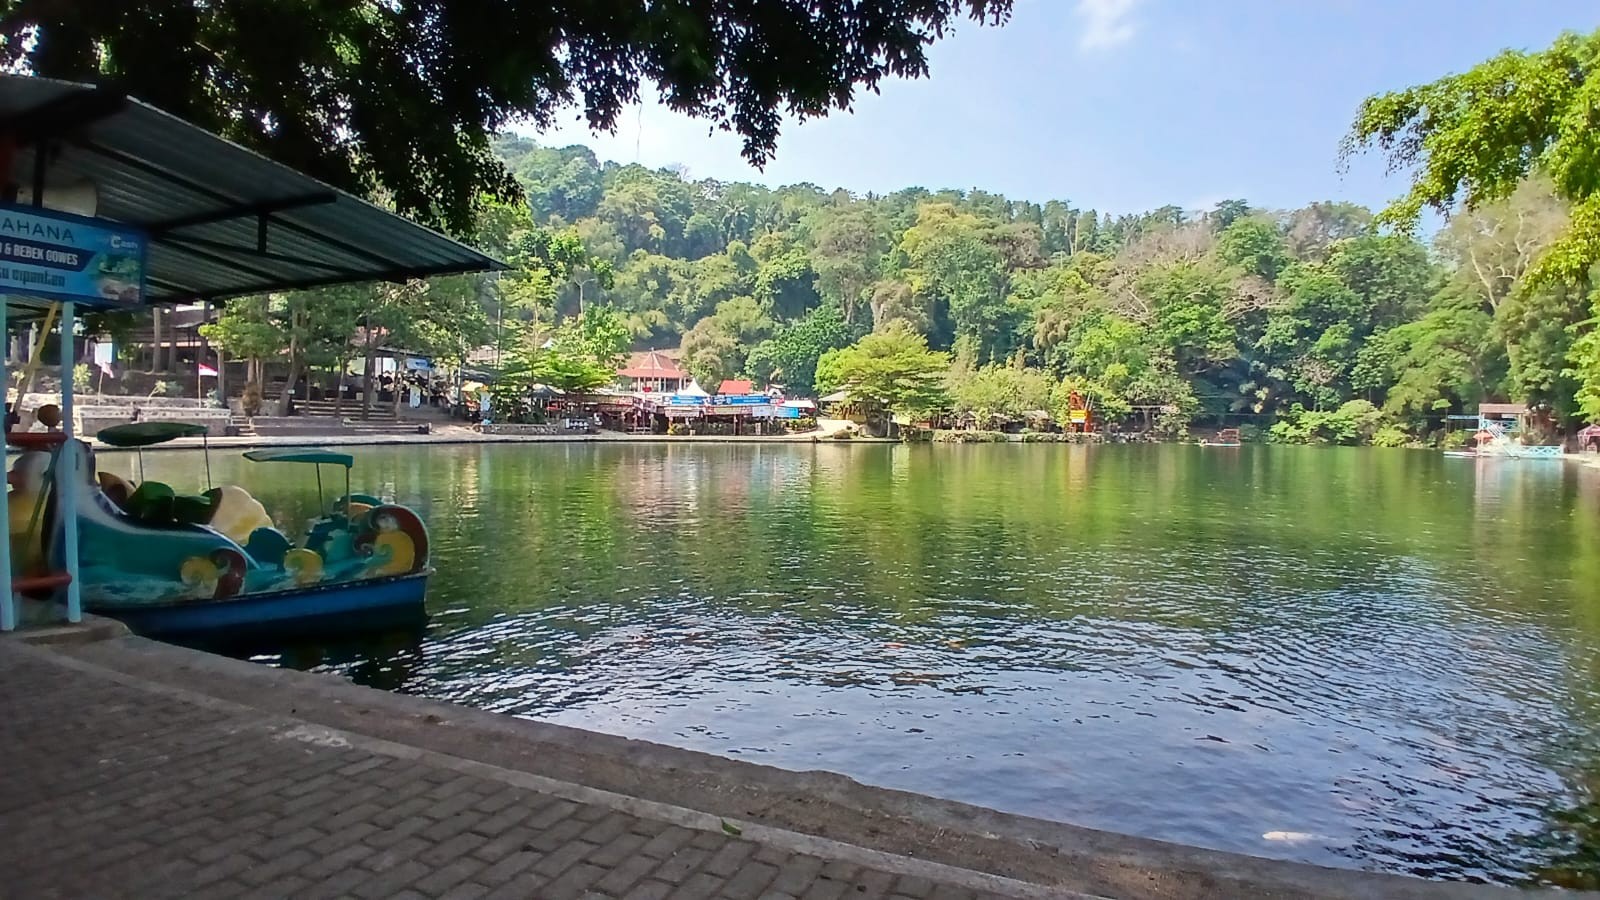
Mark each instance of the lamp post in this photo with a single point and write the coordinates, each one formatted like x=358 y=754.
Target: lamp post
x=590 y=280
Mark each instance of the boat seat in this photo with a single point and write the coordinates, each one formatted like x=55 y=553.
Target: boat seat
x=155 y=503
x=238 y=515
x=359 y=503
x=268 y=546
x=116 y=489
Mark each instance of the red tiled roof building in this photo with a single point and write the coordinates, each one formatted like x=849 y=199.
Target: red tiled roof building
x=652 y=371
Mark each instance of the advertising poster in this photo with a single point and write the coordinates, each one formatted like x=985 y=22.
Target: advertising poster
x=44 y=253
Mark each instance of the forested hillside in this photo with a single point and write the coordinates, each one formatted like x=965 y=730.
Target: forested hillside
x=1227 y=310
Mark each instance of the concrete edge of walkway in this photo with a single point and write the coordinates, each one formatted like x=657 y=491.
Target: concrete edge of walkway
x=90 y=630
x=288 y=728
x=708 y=789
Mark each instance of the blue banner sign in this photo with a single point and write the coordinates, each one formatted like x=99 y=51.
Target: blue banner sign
x=45 y=253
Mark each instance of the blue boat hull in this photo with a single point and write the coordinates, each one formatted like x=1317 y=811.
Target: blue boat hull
x=366 y=605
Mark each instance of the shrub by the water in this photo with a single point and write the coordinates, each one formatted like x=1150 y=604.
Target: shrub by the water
x=1353 y=423
x=1390 y=436
x=968 y=437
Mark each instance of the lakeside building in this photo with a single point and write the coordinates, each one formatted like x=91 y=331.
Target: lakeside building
x=652 y=372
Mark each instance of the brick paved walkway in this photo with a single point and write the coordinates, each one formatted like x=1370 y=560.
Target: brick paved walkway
x=110 y=788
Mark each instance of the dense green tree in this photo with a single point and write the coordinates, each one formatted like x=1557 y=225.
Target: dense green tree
x=1390 y=273
x=1227 y=212
x=784 y=283
x=1254 y=245
x=1477 y=136
x=1313 y=229
x=1447 y=358
x=718 y=346
x=561 y=185
x=248 y=329
x=1187 y=300
x=1058 y=223
x=1539 y=326
x=711 y=354
x=892 y=371
x=850 y=244
x=790 y=356
x=960 y=278
x=1354 y=422
x=1585 y=363
x=995 y=394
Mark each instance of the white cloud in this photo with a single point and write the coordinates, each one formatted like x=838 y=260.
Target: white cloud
x=1106 y=23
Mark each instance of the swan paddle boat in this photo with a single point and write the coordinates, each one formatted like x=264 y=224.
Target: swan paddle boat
x=213 y=565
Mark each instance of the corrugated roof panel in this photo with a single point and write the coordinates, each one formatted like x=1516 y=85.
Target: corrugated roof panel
x=151 y=169
x=203 y=159
x=281 y=242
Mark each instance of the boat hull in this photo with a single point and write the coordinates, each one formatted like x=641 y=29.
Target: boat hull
x=1537 y=454
x=342 y=607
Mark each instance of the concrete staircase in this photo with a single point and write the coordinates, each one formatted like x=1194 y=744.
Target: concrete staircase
x=350 y=411
x=380 y=419
x=314 y=418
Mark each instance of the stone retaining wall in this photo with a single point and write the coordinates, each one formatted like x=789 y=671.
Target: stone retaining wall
x=92 y=412
x=89 y=420
x=545 y=429
x=34 y=400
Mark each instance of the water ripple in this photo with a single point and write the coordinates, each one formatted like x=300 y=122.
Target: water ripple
x=1379 y=660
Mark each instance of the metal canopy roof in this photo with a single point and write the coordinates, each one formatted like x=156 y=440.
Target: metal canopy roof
x=223 y=221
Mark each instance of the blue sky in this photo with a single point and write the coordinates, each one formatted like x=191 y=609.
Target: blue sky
x=1125 y=105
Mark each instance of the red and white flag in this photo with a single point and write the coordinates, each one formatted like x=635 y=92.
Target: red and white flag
x=206 y=370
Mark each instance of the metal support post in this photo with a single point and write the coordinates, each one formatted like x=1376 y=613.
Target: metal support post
x=69 y=481
x=8 y=599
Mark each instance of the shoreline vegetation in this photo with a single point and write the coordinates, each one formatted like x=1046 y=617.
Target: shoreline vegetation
x=1326 y=323
x=460 y=436
x=1318 y=324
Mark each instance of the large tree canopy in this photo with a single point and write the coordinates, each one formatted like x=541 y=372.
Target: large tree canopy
x=400 y=98
x=1476 y=136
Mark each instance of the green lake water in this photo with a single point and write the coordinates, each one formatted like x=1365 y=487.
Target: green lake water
x=1380 y=659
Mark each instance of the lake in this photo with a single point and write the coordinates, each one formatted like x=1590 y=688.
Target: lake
x=1381 y=659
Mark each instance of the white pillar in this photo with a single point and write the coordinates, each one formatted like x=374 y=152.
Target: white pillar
x=69 y=481
x=8 y=600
